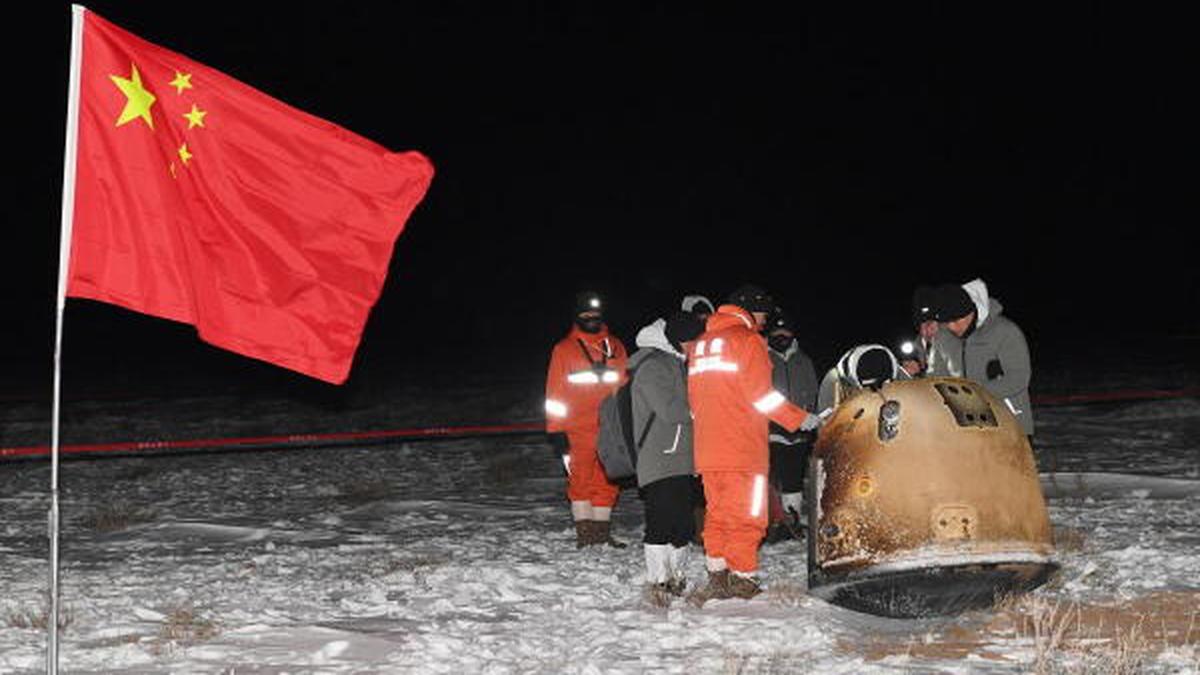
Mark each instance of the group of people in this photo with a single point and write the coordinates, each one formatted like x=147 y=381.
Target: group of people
x=725 y=408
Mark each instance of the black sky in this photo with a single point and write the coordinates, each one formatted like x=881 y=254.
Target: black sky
x=837 y=158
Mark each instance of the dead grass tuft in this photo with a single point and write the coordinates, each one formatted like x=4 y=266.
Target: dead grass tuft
x=777 y=662
x=786 y=594
x=184 y=625
x=1115 y=638
x=38 y=619
x=656 y=597
x=1069 y=539
x=117 y=516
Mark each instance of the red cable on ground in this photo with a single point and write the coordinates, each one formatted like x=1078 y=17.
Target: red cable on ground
x=280 y=441
x=1119 y=395
x=327 y=439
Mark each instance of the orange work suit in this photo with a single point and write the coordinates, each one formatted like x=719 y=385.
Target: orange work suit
x=732 y=399
x=584 y=368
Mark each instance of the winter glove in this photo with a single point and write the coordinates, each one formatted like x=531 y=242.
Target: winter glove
x=558 y=441
x=994 y=369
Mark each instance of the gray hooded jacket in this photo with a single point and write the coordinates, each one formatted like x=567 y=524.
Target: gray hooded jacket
x=660 y=387
x=995 y=355
x=793 y=375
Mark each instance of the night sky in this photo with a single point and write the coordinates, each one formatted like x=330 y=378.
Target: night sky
x=837 y=158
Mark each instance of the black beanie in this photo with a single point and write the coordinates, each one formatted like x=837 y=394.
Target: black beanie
x=683 y=327
x=588 y=301
x=752 y=299
x=779 y=321
x=924 y=304
x=954 y=303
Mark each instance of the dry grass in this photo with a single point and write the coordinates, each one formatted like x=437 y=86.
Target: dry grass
x=1113 y=638
x=117 y=516
x=786 y=594
x=775 y=663
x=656 y=597
x=184 y=625
x=38 y=619
x=1069 y=539
x=412 y=563
x=1044 y=623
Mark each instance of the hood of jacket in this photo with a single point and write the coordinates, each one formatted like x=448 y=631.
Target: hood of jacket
x=977 y=290
x=654 y=336
x=985 y=306
x=691 y=302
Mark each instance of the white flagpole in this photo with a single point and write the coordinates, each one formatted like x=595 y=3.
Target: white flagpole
x=70 y=155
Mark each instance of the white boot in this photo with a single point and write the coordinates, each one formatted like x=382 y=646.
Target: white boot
x=676 y=563
x=657 y=563
x=793 y=501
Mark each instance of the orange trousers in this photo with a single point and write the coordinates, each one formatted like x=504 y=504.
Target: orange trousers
x=586 y=480
x=736 y=517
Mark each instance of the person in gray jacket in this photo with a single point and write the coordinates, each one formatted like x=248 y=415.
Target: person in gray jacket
x=984 y=346
x=793 y=375
x=662 y=423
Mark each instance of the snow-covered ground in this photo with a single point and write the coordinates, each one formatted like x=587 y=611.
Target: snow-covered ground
x=457 y=556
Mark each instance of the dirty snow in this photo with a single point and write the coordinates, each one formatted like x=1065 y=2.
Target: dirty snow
x=452 y=556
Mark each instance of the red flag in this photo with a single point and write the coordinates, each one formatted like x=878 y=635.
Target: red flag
x=203 y=200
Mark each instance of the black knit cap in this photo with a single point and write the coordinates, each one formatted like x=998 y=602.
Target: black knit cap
x=953 y=303
x=752 y=299
x=588 y=301
x=924 y=304
x=683 y=327
x=779 y=320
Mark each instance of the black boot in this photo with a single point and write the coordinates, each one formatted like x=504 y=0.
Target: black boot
x=603 y=534
x=717 y=588
x=584 y=533
x=743 y=587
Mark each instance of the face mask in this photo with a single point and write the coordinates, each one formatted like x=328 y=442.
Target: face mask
x=589 y=324
x=780 y=343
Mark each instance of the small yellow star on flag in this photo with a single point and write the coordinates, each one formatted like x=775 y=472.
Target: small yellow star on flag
x=195 y=118
x=184 y=155
x=137 y=99
x=181 y=82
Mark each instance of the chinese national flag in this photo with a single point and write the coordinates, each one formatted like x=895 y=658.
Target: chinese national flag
x=202 y=200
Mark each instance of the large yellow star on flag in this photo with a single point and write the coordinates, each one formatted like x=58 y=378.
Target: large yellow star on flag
x=195 y=118
x=182 y=81
x=137 y=99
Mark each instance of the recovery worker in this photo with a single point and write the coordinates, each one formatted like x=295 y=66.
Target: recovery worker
x=585 y=366
x=732 y=398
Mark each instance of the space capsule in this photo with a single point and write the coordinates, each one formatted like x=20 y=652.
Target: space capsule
x=924 y=500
